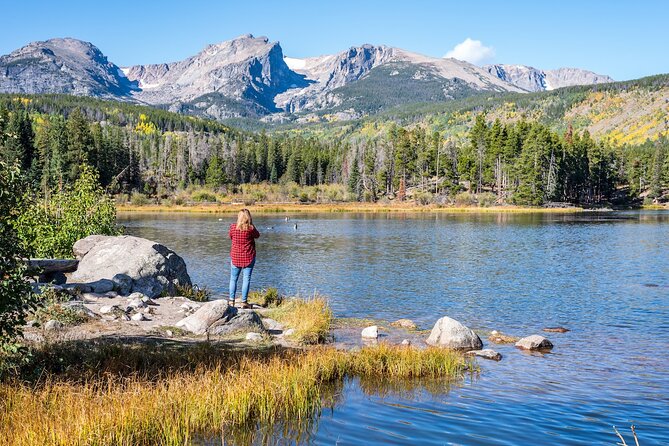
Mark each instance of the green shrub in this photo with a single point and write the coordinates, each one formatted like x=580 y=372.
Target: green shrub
x=52 y=307
x=138 y=199
x=423 y=198
x=194 y=292
x=16 y=296
x=486 y=199
x=203 y=196
x=50 y=227
x=266 y=298
x=465 y=199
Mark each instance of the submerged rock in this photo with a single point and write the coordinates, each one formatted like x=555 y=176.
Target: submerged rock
x=404 y=323
x=497 y=337
x=534 y=342
x=486 y=353
x=371 y=332
x=450 y=333
x=129 y=263
x=555 y=329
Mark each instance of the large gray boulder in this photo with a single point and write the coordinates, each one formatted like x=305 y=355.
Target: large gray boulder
x=131 y=264
x=209 y=313
x=450 y=333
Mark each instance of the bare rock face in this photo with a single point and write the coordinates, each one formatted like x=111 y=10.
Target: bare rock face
x=450 y=333
x=67 y=66
x=222 y=80
x=533 y=79
x=534 y=342
x=132 y=263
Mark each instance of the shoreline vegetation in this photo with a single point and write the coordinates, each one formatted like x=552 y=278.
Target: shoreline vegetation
x=269 y=208
x=121 y=390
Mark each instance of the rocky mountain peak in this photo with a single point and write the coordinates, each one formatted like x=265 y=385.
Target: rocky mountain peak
x=62 y=65
x=533 y=79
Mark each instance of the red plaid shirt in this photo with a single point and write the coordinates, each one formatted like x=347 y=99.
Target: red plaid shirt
x=243 y=249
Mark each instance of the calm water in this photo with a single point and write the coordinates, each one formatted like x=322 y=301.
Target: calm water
x=606 y=277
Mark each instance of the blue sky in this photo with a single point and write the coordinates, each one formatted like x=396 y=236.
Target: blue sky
x=625 y=40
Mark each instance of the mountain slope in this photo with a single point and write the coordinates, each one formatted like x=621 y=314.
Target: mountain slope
x=62 y=66
x=331 y=73
x=229 y=78
x=533 y=79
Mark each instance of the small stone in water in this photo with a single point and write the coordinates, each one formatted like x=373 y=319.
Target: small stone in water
x=371 y=332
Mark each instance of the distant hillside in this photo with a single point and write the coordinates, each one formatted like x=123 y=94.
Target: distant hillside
x=628 y=112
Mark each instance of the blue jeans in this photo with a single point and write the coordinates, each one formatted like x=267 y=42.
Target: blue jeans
x=234 y=275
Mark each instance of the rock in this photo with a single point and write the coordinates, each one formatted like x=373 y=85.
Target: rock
x=102 y=286
x=241 y=321
x=152 y=268
x=371 y=332
x=169 y=333
x=80 y=308
x=109 y=309
x=254 y=337
x=149 y=310
x=556 y=329
x=272 y=325
x=534 y=342
x=138 y=317
x=289 y=332
x=122 y=283
x=31 y=323
x=148 y=301
x=497 y=337
x=136 y=304
x=209 y=313
x=53 y=325
x=190 y=307
x=404 y=323
x=450 y=333
x=406 y=342
x=486 y=353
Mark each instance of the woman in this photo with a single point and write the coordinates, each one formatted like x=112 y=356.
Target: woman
x=242 y=254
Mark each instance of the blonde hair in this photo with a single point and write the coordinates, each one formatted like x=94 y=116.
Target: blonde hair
x=244 y=220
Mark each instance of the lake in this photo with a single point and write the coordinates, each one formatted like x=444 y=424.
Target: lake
x=605 y=276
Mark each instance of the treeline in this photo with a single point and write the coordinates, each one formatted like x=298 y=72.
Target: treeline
x=155 y=152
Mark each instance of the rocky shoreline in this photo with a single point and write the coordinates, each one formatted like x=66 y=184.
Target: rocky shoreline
x=128 y=287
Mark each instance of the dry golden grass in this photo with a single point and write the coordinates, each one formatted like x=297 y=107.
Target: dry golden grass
x=310 y=318
x=269 y=208
x=131 y=406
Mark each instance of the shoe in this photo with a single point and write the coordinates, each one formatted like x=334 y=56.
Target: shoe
x=245 y=306
x=231 y=302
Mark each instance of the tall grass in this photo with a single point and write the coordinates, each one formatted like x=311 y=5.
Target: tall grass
x=127 y=401
x=310 y=318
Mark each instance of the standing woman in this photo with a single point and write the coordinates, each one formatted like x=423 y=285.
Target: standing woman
x=242 y=254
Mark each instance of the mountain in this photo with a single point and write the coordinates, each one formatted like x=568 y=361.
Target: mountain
x=63 y=66
x=249 y=77
x=237 y=77
x=404 y=72
x=533 y=79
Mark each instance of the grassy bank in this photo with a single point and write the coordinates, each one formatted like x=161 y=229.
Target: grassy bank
x=269 y=208
x=142 y=395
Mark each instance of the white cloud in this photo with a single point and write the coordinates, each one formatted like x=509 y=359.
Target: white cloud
x=472 y=51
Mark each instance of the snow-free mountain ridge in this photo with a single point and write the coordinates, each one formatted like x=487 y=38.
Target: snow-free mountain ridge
x=250 y=76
